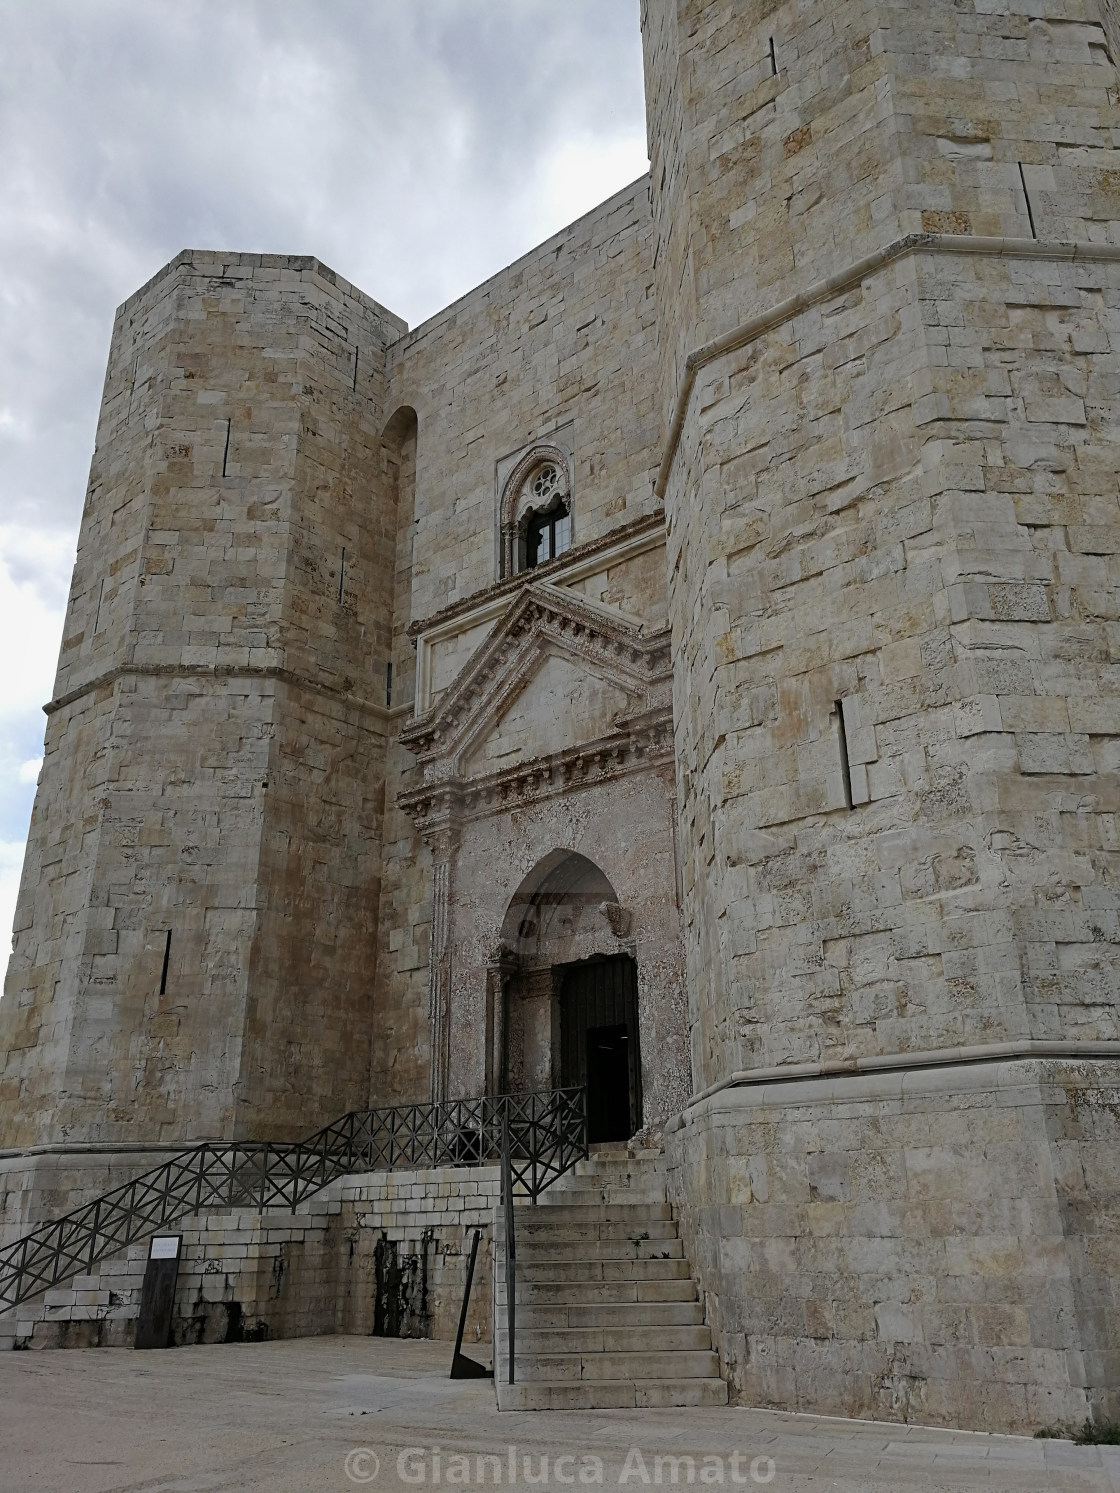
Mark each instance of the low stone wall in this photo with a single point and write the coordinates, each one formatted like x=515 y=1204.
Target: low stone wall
x=932 y=1246
x=45 y=1182
x=383 y=1253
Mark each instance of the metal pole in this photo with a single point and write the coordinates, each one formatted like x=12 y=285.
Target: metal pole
x=511 y=1250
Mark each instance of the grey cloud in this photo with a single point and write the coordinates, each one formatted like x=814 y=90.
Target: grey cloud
x=396 y=140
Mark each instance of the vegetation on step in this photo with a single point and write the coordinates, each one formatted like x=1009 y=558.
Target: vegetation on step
x=1089 y=1433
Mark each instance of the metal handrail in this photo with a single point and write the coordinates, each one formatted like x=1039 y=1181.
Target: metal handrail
x=511 y=1243
x=548 y=1135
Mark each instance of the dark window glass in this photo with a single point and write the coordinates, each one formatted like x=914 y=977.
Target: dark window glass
x=548 y=535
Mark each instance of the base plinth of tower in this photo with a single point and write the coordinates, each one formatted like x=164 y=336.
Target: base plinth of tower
x=934 y=1245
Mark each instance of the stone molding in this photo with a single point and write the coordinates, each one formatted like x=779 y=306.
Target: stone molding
x=439 y=965
x=618 y=544
x=846 y=279
x=223 y=671
x=645 y=743
x=772 y=1085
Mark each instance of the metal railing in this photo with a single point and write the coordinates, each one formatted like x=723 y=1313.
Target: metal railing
x=511 y=1250
x=548 y=1135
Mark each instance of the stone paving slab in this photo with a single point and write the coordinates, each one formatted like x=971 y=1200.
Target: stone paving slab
x=285 y=1417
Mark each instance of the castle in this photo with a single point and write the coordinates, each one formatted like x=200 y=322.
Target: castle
x=704 y=635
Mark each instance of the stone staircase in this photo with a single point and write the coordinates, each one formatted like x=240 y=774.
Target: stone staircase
x=607 y=1310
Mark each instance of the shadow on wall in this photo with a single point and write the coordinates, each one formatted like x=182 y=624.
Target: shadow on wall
x=402 y=1305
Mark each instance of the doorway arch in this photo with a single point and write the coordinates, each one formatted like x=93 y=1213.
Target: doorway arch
x=569 y=993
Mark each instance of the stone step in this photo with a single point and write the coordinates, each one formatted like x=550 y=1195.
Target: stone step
x=592 y=1270
x=603 y=1192
x=610 y=1160
x=604 y=1394
x=607 y=1176
x=587 y=1293
x=536 y=1249
x=612 y=1171
x=592 y=1212
x=608 y=1314
x=617 y=1314
x=584 y=1340
x=541 y=1227
x=569 y=1368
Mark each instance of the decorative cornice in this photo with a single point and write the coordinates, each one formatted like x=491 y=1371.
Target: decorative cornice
x=110 y=677
x=562 y=568
x=844 y=280
x=642 y=743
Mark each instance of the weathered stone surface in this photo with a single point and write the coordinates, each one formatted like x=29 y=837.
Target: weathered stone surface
x=886 y=378
x=935 y=1246
x=215 y=748
x=385 y=1253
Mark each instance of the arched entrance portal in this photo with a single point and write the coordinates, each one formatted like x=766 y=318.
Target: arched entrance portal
x=570 y=995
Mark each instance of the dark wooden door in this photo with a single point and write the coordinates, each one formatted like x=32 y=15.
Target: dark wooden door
x=599 y=1044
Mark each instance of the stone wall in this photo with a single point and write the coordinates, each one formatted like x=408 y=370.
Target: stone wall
x=562 y=339
x=901 y=496
x=932 y=1246
x=44 y=1182
x=385 y=1253
x=560 y=345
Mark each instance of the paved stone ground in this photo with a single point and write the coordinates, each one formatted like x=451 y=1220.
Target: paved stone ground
x=285 y=1416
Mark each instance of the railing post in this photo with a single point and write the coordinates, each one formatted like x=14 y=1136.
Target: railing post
x=511 y=1250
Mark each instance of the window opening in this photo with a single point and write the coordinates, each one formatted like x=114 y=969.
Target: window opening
x=845 y=764
x=1027 y=200
x=166 y=962
x=548 y=533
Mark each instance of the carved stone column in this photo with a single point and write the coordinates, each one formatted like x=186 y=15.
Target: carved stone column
x=498 y=973
x=443 y=842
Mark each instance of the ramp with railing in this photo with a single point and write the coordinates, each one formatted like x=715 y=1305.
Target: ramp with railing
x=547 y=1136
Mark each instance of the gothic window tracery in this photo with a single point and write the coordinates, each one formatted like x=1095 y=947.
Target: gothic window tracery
x=548 y=528
x=536 y=510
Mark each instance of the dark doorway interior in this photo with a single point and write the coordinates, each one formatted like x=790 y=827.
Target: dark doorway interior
x=608 y=1083
x=599 y=1044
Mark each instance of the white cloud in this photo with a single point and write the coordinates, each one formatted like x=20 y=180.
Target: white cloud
x=35 y=570
x=579 y=173
x=29 y=772
x=11 y=864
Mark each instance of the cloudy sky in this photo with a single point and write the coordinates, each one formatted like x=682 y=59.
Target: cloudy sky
x=416 y=146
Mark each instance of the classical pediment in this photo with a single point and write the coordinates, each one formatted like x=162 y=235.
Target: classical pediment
x=549 y=640
x=565 y=701
x=564 y=693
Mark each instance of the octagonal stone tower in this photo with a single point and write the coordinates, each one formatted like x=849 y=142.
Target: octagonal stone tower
x=196 y=932
x=888 y=256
